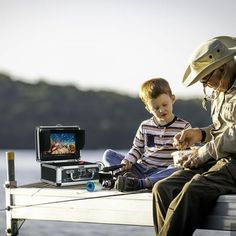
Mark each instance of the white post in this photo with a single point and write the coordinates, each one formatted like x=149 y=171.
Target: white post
x=11 y=224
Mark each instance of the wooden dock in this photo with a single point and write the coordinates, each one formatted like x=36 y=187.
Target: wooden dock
x=42 y=201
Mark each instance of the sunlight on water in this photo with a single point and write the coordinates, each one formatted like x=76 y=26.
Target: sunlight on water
x=27 y=170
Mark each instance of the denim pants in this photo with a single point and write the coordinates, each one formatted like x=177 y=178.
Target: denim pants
x=111 y=157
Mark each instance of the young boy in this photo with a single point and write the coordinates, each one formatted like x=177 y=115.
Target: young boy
x=149 y=159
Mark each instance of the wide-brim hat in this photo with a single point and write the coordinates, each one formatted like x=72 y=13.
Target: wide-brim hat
x=209 y=56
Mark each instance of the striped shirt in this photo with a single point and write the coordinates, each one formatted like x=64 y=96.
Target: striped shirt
x=152 y=145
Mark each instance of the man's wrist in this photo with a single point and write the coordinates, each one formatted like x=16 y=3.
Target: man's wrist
x=203 y=135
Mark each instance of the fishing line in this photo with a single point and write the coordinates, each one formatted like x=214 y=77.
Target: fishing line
x=80 y=199
x=70 y=200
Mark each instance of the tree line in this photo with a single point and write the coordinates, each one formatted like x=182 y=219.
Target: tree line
x=110 y=119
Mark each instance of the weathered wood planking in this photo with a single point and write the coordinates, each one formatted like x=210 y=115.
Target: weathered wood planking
x=42 y=201
x=77 y=205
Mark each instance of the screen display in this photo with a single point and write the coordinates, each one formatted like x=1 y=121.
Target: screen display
x=59 y=143
x=62 y=143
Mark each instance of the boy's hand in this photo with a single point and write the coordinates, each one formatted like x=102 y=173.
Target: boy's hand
x=127 y=165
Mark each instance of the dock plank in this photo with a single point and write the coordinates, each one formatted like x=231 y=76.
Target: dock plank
x=78 y=205
x=42 y=201
x=223 y=215
x=213 y=233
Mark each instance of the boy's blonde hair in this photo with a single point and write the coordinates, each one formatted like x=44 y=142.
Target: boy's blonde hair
x=152 y=88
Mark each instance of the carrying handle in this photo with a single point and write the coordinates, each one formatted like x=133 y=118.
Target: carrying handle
x=81 y=178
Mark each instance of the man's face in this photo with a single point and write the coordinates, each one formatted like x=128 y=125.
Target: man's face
x=217 y=79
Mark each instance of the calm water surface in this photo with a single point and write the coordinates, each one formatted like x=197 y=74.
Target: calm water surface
x=28 y=171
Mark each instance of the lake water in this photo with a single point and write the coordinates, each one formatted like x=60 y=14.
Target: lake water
x=28 y=171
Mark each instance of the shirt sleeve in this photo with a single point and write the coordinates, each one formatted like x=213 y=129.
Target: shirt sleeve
x=222 y=146
x=203 y=152
x=135 y=153
x=226 y=142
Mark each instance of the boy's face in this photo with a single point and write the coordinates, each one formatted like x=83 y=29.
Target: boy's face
x=162 y=108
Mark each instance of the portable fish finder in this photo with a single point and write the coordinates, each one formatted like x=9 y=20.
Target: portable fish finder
x=58 y=150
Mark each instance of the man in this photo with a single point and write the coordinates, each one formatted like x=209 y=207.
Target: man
x=181 y=201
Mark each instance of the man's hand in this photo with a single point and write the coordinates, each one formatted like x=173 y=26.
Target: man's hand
x=127 y=165
x=186 y=138
x=191 y=160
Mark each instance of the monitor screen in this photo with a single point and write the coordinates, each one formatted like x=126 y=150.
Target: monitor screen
x=62 y=143
x=59 y=143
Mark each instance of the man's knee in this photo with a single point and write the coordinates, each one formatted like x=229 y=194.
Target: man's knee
x=195 y=188
x=166 y=183
x=159 y=187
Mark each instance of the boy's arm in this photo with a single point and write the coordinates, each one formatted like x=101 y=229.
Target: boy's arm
x=135 y=153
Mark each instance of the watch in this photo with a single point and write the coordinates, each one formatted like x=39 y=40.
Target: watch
x=203 y=135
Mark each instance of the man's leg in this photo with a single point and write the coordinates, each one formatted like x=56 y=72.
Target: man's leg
x=186 y=212
x=164 y=191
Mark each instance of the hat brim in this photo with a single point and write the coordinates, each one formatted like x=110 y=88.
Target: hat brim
x=191 y=78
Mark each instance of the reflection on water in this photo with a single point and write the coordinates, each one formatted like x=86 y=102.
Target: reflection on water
x=28 y=171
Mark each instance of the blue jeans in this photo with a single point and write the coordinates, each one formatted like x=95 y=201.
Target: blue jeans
x=111 y=157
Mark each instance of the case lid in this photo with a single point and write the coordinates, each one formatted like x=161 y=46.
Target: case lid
x=58 y=143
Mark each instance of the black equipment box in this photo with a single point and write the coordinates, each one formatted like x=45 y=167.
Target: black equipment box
x=58 y=151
